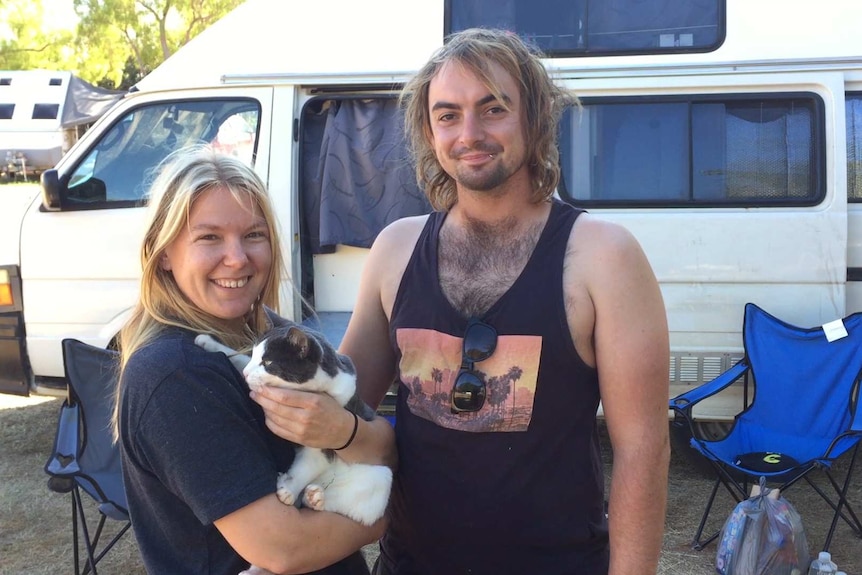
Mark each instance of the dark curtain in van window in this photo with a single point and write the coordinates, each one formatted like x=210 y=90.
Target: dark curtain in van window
x=362 y=179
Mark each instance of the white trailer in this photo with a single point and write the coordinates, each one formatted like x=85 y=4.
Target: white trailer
x=42 y=113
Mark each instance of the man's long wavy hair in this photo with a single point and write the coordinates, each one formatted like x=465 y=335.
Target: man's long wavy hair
x=543 y=103
x=181 y=178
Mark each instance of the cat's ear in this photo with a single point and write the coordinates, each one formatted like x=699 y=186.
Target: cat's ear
x=299 y=339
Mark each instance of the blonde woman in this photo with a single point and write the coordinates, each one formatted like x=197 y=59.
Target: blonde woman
x=199 y=462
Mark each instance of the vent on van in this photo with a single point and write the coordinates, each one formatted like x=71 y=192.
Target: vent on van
x=697 y=368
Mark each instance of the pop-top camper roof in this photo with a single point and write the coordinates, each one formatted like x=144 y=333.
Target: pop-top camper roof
x=262 y=37
x=383 y=40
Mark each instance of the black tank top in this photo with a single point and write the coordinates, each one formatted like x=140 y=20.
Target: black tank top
x=518 y=486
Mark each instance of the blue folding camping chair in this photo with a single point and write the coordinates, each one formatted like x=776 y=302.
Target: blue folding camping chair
x=804 y=415
x=85 y=459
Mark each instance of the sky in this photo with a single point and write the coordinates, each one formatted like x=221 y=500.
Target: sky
x=59 y=14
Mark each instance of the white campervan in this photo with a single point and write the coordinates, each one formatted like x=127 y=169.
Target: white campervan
x=725 y=134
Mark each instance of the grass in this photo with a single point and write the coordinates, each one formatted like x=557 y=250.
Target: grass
x=35 y=523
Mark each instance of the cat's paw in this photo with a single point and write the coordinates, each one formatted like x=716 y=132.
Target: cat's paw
x=255 y=571
x=313 y=497
x=209 y=343
x=283 y=491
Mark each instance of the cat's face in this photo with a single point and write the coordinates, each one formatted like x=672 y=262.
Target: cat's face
x=297 y=358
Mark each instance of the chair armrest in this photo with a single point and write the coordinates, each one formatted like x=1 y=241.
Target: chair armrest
x=683 y=402
x=63 y=460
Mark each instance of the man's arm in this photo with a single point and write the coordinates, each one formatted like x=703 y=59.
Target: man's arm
x=632 y=357
x=366 y=341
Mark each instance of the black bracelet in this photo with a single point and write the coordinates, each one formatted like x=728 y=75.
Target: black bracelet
x=352 y=435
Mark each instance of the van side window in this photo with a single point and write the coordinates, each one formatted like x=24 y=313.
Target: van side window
x=735 y=150
x=853 y=120
x=116 y=172
x=7 y=111
x=565 y=28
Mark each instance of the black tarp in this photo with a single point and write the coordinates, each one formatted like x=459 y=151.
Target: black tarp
x=86 y=102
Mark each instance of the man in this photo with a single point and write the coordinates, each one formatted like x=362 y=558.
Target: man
x=505 y=316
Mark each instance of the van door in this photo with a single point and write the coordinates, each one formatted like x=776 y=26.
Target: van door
x=80 y=260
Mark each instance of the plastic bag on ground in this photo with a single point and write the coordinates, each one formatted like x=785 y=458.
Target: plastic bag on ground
x=763 y=536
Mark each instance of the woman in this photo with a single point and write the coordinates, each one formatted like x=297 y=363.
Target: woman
x=199 y=464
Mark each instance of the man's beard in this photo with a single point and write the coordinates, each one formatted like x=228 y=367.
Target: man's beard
x=483 y=180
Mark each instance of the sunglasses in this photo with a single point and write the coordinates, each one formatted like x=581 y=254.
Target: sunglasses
x=469 y=391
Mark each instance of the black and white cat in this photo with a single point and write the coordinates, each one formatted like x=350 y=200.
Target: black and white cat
x=296 y=357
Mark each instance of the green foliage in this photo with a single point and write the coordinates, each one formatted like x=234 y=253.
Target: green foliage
x=24 y=45
x=115 y=43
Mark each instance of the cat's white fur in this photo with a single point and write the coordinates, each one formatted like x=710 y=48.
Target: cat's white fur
x=356 y=490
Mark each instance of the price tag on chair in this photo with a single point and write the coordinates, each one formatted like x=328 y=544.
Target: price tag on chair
x=834 y=330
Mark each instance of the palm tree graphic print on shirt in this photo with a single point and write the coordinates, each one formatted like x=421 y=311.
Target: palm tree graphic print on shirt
x=430 y=362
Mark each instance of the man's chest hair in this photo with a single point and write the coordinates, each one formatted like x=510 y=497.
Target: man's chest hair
x=476 y=269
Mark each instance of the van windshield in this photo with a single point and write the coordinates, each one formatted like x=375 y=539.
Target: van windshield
x=119 y=166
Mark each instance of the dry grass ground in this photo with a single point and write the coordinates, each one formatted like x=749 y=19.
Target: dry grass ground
x=35 y=536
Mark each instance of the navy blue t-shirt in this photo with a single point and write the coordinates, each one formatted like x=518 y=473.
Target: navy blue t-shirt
x=194 y=449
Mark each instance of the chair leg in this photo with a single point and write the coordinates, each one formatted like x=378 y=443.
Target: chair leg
x=696 y=543
x=855 y=524
x=75 y=531
x=734 y=488
x=82 y=521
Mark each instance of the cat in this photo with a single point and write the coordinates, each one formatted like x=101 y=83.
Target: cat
x=296 y=357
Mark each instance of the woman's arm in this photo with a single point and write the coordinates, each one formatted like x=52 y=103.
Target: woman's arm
x=284 y=539
x=317 y=420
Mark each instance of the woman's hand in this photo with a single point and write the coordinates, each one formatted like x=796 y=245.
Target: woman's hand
x=309 y=419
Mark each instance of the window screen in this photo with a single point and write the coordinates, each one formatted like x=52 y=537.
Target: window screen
x=853 y=119
x=744 y=151
x=598 y=27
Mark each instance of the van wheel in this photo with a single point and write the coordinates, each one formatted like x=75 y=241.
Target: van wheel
x=680 y=437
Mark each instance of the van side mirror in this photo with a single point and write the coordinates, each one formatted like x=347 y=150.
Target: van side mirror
x=50 y=183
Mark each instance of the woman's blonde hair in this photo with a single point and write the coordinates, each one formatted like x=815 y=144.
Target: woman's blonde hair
x=180 y=179
x=543 y=103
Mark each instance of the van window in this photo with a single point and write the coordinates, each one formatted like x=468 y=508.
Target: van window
x=117 y=170
x=6 y=111
x=563 y=28
x=853 y=121
x=741 y=150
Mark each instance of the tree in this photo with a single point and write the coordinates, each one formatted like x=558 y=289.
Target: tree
x=116 y=42
x=25 y=45
x=143 y=32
